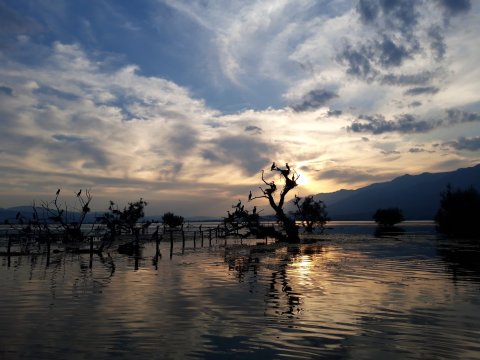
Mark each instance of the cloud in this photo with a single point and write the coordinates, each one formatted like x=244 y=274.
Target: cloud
x=416 y=150
x=408 y=123
x=463 y=143
x=6 y=90
x=247 y=153
x=421 y=90
x=334 y=113
x=349 y=175
x=253 y=129
x=456 y=116
x=315 y=99
x=454 y=7
x=377 y=124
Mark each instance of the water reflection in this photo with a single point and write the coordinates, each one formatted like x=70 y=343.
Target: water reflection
x=344 y=297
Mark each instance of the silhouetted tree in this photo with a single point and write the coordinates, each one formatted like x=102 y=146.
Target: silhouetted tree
x=312 y=213
x=459 y=213
x=388 y=217
x=172 y=220
x=126 y=220
x=241 y=221
x=55 y=217
x=289 y=178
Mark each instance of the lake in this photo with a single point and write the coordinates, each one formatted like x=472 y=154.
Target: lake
x=349 y=295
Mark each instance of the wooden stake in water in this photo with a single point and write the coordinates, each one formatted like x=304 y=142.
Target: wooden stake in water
x=183 y=241
x=9 y=246
x=194 y=239
x=171 y=244
x=91 y=252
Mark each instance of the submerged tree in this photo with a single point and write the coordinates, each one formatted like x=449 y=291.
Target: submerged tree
x=55 y=216
x=172 y=220
x=125 y=221
x=459 y=213
x=241 y=221
x=276 y=200
x=388 y=217
x=312 y=213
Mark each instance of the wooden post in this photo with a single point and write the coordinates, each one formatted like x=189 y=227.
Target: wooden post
x=9 y=246
x=171 y=244
x=201 y=232
x=48 y=250
x=91 y=252
x=183 y=241
x=209 y=237
x=194 y=239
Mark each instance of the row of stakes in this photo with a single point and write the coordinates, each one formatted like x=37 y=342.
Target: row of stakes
x=157 y=239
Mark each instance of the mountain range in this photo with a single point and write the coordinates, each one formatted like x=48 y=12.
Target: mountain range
x=418 y=196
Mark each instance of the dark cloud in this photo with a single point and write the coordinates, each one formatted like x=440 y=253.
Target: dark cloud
x=415 y=104
x=407 y=79
x=66 y=149
x=454 y=7
x=368 y=10
x=437 y=42
x=456 y=116
x=334 y=113
x=416 y=150
x=348 y=175
x=6 y=90
x=52 y=92
x=253 y=129
x=315 y=99
x=399 y=15
x=182 y=139
x=470 y=144
x=421 y=90
x=388 y=53
x=377 y=124
x=409 y=124
x=68 y=138
x=398 y=35
x=248 y=153
x=390 y=152
x=357 y=62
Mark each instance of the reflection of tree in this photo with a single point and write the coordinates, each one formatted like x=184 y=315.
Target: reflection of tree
x=281 y=297
x=461 y=259
x=280 y=280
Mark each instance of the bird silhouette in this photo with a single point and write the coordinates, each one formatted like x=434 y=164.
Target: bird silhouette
x=79 y=193
x=254 y=209
x=273 y=166
x=58 y=191
x=250 y=196
x=239 y=203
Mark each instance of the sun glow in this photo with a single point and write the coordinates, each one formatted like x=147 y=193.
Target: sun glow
x=303 y=180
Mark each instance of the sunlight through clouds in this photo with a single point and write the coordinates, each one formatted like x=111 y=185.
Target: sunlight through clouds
x=311 y=83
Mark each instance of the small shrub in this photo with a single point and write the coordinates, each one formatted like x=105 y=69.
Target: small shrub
x=172 y=220
x=388 y=217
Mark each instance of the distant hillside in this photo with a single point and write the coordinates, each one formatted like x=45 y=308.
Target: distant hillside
x=417 y=195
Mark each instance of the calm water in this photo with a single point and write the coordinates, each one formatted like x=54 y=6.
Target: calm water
x=347 y=297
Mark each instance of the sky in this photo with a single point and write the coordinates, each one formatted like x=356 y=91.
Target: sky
x=184 y=102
